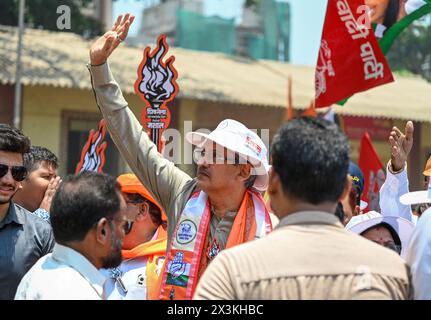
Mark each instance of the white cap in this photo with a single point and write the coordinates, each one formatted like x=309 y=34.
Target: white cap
x=416 y=197
x=236 y=137
x=403 y=227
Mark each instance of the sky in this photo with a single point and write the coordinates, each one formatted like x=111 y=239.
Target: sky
x=307 y=22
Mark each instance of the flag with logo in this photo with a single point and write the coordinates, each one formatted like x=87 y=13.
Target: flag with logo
x=389 y=18
x=374 y=175
x=350 y=59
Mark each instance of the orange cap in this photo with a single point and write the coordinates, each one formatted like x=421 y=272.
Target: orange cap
x=130 y=184
x=427 y=171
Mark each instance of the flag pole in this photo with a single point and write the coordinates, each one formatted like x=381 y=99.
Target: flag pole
x=17 y=100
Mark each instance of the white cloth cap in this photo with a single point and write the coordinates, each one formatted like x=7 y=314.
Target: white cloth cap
x=402 y=227
x=235 y=136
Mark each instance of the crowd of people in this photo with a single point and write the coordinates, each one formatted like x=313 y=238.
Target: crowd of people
x=162 y=234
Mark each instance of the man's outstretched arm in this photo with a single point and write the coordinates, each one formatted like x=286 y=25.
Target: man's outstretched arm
x=159 y=175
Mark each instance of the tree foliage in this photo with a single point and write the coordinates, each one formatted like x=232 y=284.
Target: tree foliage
x=43 y=14
x=412 y=50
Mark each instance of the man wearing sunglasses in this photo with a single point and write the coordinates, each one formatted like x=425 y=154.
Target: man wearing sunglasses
x=144 y=246
x=88 y=218
x=24 y=238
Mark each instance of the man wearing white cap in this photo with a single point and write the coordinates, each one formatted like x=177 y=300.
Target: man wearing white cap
x=309 y=255
x=220 y=208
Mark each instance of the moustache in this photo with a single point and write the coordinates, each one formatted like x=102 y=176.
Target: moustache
x=6 y=185
x=203 y=171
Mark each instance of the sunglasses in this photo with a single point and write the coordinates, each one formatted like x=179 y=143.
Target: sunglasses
x=128 y=226
x=19 y=173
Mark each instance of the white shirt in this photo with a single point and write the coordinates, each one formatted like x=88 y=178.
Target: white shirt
x=133 y=273
x=63 y=274
x=419 y=257
x=394 y=187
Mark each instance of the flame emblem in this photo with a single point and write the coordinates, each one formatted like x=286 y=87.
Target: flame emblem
x=93 y=153
x=156 y=86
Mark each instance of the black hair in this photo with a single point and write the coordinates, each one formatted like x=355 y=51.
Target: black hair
x=37 y=155
x=13 y=140
x=311 y=156
x=391 y=14
x=155 y=213
x=80 y=202
x=391 y=230
x=339 y=212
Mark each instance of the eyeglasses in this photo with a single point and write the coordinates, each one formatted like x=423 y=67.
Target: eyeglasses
x=127 y=226
x=19 y=173
x=200 y=154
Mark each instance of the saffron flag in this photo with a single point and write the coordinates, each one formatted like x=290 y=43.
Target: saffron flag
x=374 y=175
x=350 y=59
x=93 y=153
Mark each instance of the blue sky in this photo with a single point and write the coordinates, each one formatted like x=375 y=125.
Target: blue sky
x=307 y=22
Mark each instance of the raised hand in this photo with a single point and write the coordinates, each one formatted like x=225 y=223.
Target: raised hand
x=49 y=193
x=106 y=44
x=401 y=145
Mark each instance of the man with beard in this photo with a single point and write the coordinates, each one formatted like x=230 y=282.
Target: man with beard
x=24 y=238
x=88 y=217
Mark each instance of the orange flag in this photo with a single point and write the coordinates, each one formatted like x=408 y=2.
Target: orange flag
x=290 y=114
x=310 y=112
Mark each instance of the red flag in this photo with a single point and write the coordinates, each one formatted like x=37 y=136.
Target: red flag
x=350 y=59
x=374 y=176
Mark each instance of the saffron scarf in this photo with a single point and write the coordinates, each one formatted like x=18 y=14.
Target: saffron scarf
x=190 y=251
x=155 y=251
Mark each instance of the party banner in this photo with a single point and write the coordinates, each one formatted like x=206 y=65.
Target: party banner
x=93 y=153
x=389 y=18
x=156 y=86
x=350 y=59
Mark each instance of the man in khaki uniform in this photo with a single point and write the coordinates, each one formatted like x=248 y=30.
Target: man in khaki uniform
x=206 y=214
x=309 y=255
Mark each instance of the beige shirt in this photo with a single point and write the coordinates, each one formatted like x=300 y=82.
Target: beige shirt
x=169 y=185
x=308 y=256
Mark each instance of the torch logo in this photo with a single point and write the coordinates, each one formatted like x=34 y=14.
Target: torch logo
x=156 y=86
x=93 y=153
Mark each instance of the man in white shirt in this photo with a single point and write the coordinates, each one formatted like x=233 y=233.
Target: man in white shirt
x=88 y=218
x=397 y=183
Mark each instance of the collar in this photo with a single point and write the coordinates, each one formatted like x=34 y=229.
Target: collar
x=310 y=217
x=78 y=262
x=14 y=214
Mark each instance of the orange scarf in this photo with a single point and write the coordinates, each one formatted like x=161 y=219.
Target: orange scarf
x=155 y=251
x=187 y=256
